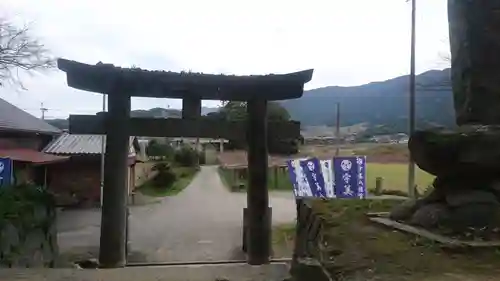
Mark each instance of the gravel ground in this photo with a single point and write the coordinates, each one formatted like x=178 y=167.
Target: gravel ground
x=202 y=223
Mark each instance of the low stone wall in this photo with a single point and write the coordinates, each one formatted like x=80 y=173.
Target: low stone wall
x=28 y=233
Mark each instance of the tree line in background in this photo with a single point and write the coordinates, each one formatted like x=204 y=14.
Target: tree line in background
x=237 y=111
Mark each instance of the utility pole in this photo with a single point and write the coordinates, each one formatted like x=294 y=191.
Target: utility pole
x=103 y=147
x=43 y=110
x=411 y=163
x=337 y=130
x=197 y=143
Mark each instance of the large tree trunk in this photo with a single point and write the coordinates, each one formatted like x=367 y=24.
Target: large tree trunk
x=475 y=51
x=466 y=191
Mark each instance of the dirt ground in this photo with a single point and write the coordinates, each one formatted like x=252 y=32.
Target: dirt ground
x=375 y=153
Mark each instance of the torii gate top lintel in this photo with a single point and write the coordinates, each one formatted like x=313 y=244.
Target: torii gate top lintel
x=102 y=78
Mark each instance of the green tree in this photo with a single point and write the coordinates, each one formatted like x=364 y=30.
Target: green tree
x=276 y=112
x=157 y=149
x=234 y=111
x=237 y=111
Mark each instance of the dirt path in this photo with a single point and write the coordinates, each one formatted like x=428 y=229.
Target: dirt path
x=202 y=223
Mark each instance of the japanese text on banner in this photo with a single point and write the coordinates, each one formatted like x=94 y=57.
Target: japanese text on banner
x=349 y=177
x=299 y=180
x=312 y=171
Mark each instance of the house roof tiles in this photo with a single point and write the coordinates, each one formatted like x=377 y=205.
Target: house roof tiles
x=72 y=144
x=13 y=118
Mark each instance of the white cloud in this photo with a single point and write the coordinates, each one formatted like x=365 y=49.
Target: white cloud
x=346 y=42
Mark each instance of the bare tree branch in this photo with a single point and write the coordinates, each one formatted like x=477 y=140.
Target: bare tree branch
x=19 y=52
x=438 y=85
x=445 y=58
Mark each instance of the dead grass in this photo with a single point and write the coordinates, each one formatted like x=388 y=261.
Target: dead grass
x=371 y=252
x=385 y=153
x=376 y=153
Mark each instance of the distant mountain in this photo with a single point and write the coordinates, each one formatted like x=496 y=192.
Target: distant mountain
x=156 y=112
x=207 y=110
x=378 y=102
x=159 y=112
x=62 y=124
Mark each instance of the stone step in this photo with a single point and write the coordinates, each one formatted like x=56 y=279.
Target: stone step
x=230 y=272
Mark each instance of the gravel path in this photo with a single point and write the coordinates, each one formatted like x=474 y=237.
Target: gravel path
x=202 y=223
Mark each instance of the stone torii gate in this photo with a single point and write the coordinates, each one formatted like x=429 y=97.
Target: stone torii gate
x=120 y=84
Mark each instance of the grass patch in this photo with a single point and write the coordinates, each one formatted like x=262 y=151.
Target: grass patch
x=396 y=176
x=282 y=240
x=184 y=176
x=371 y=252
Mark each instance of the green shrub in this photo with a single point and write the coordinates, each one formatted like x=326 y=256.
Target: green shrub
x=18 y=200
x=161 y=166
x=186 y=157
x=28 y=209
x=160 y=150
x=165 y=177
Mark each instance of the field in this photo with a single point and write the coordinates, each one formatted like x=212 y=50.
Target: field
x=389 y=161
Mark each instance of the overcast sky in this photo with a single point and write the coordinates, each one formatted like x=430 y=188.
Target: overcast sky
x=347 y=42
